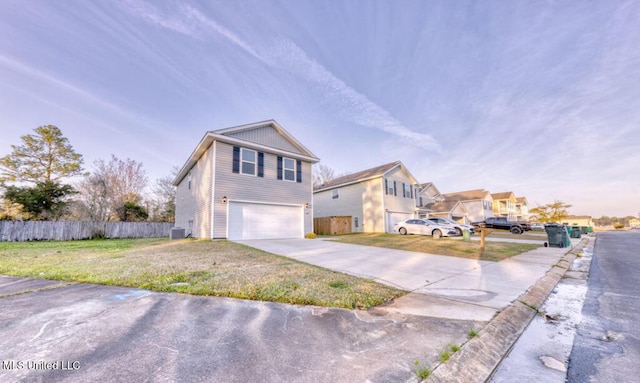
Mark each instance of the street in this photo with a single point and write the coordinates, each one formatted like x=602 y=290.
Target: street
x=607 y=344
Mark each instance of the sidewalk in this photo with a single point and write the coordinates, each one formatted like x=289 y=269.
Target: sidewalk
x=479 y=358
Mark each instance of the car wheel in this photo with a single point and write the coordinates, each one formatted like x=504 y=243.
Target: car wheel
x=516 y=230
x=458 y=231
x=403 y=231
x=436 y=234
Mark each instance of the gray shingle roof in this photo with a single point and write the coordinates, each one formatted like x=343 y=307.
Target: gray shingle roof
x=466 y=195
x=359 y=176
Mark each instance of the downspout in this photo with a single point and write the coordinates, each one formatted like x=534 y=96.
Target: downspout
x=213 y=188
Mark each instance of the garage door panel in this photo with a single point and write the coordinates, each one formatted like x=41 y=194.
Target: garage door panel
x=395 y=217
x=263 y=221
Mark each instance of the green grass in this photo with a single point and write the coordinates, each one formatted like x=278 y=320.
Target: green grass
x=422 y=371
x=472 y=333
x=494 y=251
x=201 y=267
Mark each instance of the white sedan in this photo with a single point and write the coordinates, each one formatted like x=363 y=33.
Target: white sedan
x=423 y=227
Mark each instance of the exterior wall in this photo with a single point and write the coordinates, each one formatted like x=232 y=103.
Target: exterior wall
x=505 y=208
x=429 y=195
x=479 y=210
x=267 y=189
x=580 y=221
x=398 y=203
x=193 y=204
x=522 y=212
x=268 y=136
x=361 y=201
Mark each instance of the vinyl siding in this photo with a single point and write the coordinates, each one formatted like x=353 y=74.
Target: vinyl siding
x=195 y=204
x=267 y=189
x=266 y=135
x=399 y=203
x=476 y=210
x=362 y=200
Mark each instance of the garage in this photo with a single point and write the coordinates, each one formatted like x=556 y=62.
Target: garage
x=395 y=217
x=248 y=220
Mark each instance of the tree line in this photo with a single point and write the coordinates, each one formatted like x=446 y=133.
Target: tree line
x=33 y=175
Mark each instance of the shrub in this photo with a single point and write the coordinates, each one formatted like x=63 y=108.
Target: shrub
x=310 y=235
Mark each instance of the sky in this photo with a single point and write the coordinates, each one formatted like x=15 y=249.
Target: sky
x=541 y=98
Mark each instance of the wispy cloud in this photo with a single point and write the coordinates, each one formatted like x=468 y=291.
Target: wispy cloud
x=284 y=54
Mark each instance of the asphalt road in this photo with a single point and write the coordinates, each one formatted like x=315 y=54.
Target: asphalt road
x=607 y=346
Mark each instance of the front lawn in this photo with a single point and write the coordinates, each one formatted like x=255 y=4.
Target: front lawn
x=494 y=251
x=202 y=267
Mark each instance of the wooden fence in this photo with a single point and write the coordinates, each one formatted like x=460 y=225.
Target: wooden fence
x=332 y=225
x=70 y=230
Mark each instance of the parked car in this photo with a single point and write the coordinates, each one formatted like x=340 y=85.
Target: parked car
x=502 y=223
x=537 y=226
x=457 y=226
x=424 y=227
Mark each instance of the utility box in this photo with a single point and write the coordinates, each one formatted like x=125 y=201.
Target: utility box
x=176 y=233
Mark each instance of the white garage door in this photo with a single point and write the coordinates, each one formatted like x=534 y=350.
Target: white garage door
x=261 y=221
x=394 y=217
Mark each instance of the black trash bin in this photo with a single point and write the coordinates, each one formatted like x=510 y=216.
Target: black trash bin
x=557 y=235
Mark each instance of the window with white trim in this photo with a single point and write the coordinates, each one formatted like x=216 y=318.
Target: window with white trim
x=288 y=169
x=248 y=161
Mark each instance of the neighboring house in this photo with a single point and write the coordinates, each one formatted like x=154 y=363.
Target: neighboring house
x=375 y=198
x=504 y=205
x=578 y=220
x=427 y=193
x=454 y=210
x=634 y=222
x=478 y=202
x=246 y=182
x=522 y=209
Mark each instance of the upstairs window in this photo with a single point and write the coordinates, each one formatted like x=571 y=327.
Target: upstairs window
x=335 y=194
x=390 y=187
x=247 y=161
x=289 y=169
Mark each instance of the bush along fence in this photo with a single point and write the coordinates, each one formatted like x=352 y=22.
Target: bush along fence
x=18 y=231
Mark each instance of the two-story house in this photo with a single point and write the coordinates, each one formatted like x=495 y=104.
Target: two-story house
x=375 y=198
x=522 y=209
x=246 y=182
x=478 y=203
x=504 y=205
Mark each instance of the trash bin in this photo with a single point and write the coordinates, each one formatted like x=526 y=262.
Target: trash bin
x=575 y=232
x=466 y=235
x=589 y=229
x=584 y=230
x=557 y=235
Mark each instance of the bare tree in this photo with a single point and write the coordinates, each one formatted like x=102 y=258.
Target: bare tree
x=114 y=190
x=322 y=174
x=162 y=204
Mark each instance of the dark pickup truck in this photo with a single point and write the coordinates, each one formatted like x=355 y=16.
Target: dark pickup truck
x=502 y=223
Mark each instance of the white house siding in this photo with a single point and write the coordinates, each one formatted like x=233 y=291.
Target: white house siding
x=361 y=201
x=268 y=136
x=193 y=205
x=267 y=189
x=398 y=207
x=477 y=211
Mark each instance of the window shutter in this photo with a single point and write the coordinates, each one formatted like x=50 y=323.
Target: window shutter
x=395 y=192
x=386 y=186
x=411 y=190
x=260 y=164
x=299 y=171
x=236 y=159
x=404 y=190
x=279 y=167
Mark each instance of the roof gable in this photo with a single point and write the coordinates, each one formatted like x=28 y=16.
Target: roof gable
x=445 y=206
x=468 y=195
x=503 y=195
x=268 y=133
x=365 y=175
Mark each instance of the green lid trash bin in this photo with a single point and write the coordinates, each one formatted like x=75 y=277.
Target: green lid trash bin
x=557 y=235
x=575 y=232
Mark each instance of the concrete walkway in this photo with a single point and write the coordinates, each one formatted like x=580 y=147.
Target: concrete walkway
x=441 y=286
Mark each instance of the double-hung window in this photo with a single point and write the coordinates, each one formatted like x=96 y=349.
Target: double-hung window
x=288 y=169
x=248 y=161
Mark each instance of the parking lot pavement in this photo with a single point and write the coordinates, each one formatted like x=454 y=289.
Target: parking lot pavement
x=60 y=332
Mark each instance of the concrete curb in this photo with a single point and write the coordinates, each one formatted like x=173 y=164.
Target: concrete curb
x=480 y=356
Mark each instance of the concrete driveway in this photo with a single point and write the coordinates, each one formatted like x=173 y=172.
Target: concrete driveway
x=54 y=331
x=441 y=286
